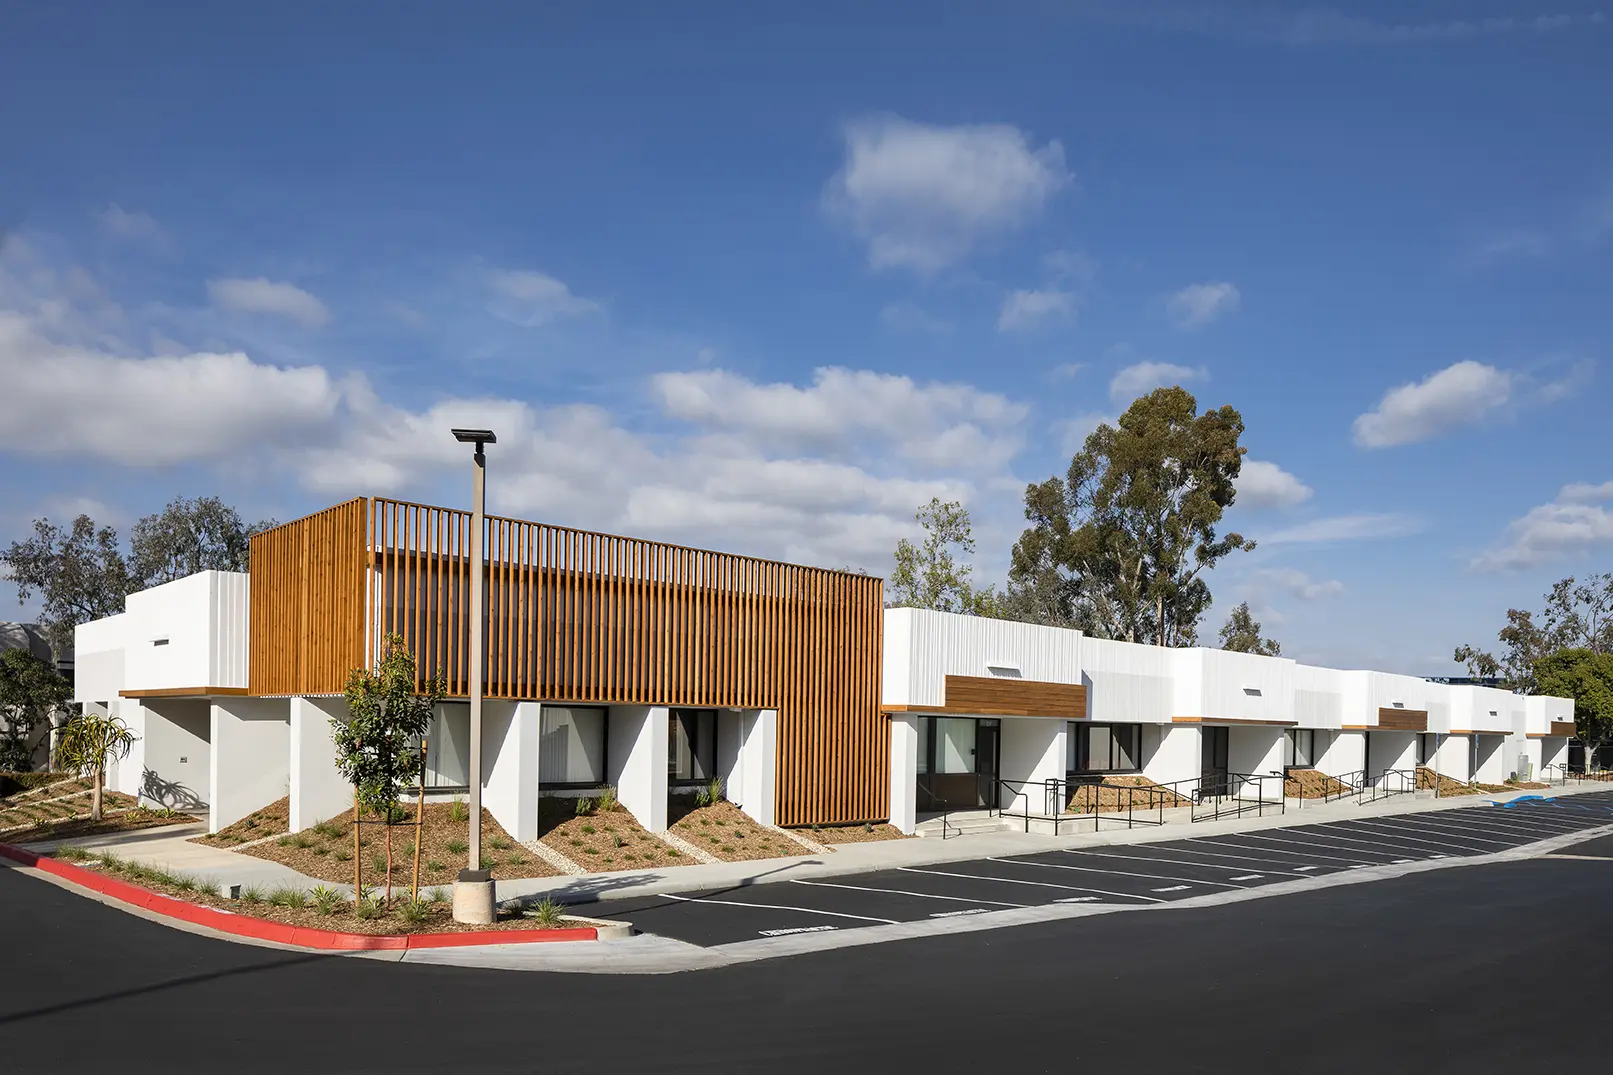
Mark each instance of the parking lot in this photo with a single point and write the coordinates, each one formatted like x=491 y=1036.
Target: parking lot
x=1126 y=874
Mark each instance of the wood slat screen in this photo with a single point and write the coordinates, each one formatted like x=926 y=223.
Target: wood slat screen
x=309 y=592
x=1404 y=720
x=575 y=616
x=1563 y=727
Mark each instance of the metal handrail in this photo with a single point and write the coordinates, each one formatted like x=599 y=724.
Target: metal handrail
x=1230 y=787
x=946 y=809
x=1339 y=786
x=1057 y=796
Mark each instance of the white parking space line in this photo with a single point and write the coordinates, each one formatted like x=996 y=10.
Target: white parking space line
x=779 y=907
x=1119 y=873
x=1351 y=862
x=903 y=892
x=1393 y=833
x=1249 y=877
x=1515 y=830
x=1371 y=840
x=1307 y=867
x=1174 y=888
x=1284 y=858
x=1022 y=881
x=1155 y=858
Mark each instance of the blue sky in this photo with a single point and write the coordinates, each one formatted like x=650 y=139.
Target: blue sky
x=766 y=278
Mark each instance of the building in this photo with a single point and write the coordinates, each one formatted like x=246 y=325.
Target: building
x=656 y=669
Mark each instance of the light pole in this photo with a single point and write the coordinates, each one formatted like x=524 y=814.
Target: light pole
x=473 y=893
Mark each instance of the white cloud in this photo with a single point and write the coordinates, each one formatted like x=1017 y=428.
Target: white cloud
x=1066 y=370
x=923 y=196
x=1143 y=377
x=1267 y=485
x=262 y=296
x=535 y=298
x=1200 y=304
x=844 y=410
x=65 y=399
x=1578 y=520
x=1516 y=244
x=1296 y=582
x=1361 y=527
x=122 y=224
x=1022 y=309
x=1458 y=395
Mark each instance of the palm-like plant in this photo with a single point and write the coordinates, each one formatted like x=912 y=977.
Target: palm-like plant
x=89 y=744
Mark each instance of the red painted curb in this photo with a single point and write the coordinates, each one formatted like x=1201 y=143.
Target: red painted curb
x=264 y=930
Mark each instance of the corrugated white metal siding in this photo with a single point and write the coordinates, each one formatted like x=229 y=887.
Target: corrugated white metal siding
x=1246 y=686
x=946 y=644
x=1128 y=682
x=98 y=672
x=1318 y=696
x=231 y=623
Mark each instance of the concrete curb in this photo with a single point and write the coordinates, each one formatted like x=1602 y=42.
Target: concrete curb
x=277 y=932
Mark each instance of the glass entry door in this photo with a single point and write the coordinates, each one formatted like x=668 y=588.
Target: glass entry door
x=957 y=764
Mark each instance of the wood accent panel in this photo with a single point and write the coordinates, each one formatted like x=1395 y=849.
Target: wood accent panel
x=1358 y=727
x=1402 y=720
x=1216 y=722
x=1562 y=727
x=309 y=587
x=185 y=692
x=575 y=616
x=1474 y=731
x=1001 y=696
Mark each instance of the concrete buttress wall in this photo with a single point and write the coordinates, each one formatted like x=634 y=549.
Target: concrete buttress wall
x=636 y=748
x=250 y=759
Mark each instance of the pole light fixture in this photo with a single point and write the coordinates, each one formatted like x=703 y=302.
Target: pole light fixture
x=473 y=893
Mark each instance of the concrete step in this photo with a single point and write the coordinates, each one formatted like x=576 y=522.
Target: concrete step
x=965 y=826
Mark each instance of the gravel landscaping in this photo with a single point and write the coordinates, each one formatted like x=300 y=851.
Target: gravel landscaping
x=61 y=811
x=272 y=820
x=726 y=832
x=325 y=908
x=325 y=851
x=1121 y=793
x=1311 y=784
x=856 y=834
x=603 y=837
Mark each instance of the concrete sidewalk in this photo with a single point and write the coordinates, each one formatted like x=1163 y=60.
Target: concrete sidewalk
x=171 y=849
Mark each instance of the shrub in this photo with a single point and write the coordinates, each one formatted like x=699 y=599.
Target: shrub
x=377 y=862
x=433 y=865
x=342 y=854
x=500 y=843
x=607 y=799
x=583 y=806
x=548 y=914
x=301 y=841
x=288 y=897
x=326 y=899
x=616 y=839
x=868 y=826
x=589 y=829
x=251 y=822
x=367 y=908
x=458 y=847
x=458 y=811
x=72 y=854
x=414 y=912
x=329 y=830
x=251 y=894
x=284 y=841
x=439 y=895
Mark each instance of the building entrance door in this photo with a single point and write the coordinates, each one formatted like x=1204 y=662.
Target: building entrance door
x=1213 y=775
x=958 y=763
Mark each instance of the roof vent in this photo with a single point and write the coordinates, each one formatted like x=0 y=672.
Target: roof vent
x=159 y=641
x=1398 y=705
x=1253 y=692
x=1005 y=671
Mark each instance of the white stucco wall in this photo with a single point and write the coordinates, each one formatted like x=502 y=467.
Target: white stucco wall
x=636 y=753
x=98 y=673
x=904 y=770
x=511 y=736
x=249 y=763
x=1491 y=756
x=1454 y=757
x=1257 y=751
x=188 y=633
x=1319 y=697
x=176 y=768
x=1178 y=757
x=1390 y=750
x=1033 y=751
x=747 y=745
x=1345 y=754
x=318 y=791
x=1241 y=686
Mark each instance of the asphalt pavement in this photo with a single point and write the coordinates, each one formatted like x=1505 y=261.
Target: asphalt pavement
x=1124 y=875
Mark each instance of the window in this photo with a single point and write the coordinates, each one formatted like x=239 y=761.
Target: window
x=1104 y=748
x=691 y=746
x=448 y=746
x=1300 y=750
x=572 y=751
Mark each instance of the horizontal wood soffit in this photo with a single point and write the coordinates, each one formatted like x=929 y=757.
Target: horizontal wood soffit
x=994 y=696
x=1235 y=721
x=184 y=692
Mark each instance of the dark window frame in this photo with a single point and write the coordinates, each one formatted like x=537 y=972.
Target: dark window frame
x=1083 y=748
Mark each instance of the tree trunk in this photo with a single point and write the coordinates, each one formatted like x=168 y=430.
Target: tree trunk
x=388 y=900
x=95 y=794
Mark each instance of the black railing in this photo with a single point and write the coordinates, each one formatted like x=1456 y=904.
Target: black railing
x=946 y=809
x=1334 y=788
x=1389 y=783
x=1057 y=803
x=1222 y=795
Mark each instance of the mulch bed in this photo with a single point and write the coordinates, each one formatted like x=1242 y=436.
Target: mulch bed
x=439 y=917
x=14 y=784
x=602 y=839
x=325 y=851
x=1123 y=792
x=726 y=832
x=74 y=827
x=856 y=834
x=272 y=820
x=1312 y=784
x=1446 y=787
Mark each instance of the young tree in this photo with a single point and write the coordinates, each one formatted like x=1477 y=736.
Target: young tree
x=1587 y=677
x=1130 y=529
x=1241 y=634
x=30 y=691
x=78 y=572
x=1578 y=615
x=927 y=576
x=188 y=536
x=373 y=749
x=90 y=743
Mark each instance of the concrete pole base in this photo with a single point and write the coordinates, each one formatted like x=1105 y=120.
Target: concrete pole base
x=474 y=901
